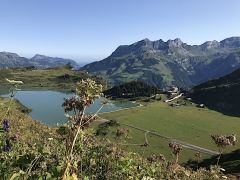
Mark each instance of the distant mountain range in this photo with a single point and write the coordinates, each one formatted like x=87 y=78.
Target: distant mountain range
x=169 y=63
x=12 y=60
x=221 y=94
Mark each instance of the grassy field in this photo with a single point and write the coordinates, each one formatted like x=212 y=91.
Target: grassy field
x=186 y=123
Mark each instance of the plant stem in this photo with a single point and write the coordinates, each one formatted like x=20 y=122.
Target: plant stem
x=76 y=136
x=9 y=105
x=177 y=155
x=94 y=115
x=218 y=159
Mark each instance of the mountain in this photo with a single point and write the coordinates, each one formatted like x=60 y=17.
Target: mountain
x=12 y=60
x=221 y=94
x=42 y=61
x=169 y=63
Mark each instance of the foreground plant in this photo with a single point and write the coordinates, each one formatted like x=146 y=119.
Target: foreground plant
x=222 y=141
x=86 y=93
x=176 y=149
x=198 y=157
x=13 y=90
x=6 y=137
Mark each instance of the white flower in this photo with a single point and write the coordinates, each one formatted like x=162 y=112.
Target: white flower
x=221 y=169
x=50 y=139
x=13 y=81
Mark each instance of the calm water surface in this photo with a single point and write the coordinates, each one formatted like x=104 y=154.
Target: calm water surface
x=47 y=105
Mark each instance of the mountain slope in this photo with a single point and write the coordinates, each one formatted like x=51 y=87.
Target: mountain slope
x=221 y=94
x=12 y=60
x=169 y=63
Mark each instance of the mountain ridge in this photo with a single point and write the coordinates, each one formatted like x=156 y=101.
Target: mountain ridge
x=166 y=63
x=13 y=60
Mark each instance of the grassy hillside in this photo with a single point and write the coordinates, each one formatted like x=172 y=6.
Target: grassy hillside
x=23 y=126
x=186 y=123
x=221 y=94
x=63 y=78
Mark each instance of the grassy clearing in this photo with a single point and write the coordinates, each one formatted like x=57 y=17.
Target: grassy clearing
x=186 y=123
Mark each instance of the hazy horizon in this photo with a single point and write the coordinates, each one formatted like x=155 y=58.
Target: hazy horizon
x=85 y=60
x=88 y=31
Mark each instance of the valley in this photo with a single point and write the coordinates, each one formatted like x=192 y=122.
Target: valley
x=179 y=120
x=120 y=90
x=186 y=123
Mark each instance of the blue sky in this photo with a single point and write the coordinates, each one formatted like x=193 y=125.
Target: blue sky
x=88 y=30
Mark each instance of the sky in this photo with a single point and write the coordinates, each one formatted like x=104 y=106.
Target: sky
x=90 y=30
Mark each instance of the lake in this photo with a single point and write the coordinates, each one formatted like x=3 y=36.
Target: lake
x=47 y=105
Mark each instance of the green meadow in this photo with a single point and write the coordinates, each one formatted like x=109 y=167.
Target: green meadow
x=186 y=123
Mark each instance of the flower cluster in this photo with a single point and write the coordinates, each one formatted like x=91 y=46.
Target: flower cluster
x=74 y=103
x=6 y=125
x=224 y=140
x=7 y=146
x=155 y=158
x=176 y=148
x=89 y=89
x=122 y=132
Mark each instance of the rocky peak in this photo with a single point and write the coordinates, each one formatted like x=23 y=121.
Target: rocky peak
x=10 y=55
x=176 y=42
x=38 y=57
x=210 y=44
x=232 y=42
x=142 y=43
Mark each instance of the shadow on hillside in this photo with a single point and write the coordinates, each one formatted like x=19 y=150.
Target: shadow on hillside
x=228 y=112
x=225 y=100
x=229 y=161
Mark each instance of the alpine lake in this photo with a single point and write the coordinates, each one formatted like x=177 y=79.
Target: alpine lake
x=46 y=105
